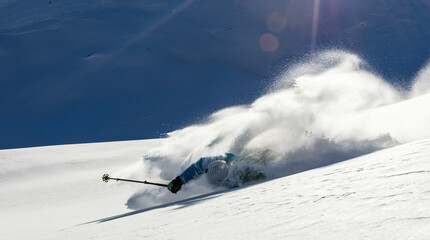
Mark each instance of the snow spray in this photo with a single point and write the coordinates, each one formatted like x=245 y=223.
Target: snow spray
x=323 y=110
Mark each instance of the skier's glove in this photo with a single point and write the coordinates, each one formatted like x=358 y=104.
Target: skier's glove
x=175 y=185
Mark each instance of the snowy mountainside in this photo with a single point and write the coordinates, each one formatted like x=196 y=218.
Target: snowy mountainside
x=319 y=113
x=48 y=188
x=382 y=195
x=317 y=129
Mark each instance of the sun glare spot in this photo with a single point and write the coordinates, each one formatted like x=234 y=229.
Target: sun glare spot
x=269 y=43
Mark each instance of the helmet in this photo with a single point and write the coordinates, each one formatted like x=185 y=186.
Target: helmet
x=217 y=171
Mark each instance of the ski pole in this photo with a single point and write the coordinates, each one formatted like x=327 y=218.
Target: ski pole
x=106 y=178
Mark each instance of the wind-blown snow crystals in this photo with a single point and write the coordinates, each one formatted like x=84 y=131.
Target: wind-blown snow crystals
x=324 y=110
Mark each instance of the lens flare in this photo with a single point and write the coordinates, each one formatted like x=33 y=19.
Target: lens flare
x=269 y=43
x=315 y=19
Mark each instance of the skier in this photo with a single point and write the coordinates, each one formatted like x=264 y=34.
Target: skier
x=216 y=168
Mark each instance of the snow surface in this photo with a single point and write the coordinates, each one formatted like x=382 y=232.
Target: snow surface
x=49 y=188
x=383 y=195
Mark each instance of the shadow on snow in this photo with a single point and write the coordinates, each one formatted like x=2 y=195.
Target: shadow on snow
x=181 y=204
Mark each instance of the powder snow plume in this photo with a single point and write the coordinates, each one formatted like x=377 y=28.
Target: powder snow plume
x=326 y=109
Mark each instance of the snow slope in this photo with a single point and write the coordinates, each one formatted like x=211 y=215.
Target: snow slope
x=383 y=195
x=319 y=114
x=309 y=132
x=49 y=188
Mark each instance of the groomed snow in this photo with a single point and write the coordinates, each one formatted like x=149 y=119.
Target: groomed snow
x=383 y=195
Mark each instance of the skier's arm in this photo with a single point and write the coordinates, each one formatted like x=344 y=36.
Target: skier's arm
x=229 y=157
x=198 y=168
x=195 y=170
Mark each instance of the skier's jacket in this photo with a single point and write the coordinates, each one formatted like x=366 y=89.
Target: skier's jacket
x=198 y=168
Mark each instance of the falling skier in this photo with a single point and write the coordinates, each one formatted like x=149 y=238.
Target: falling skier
x=215 y=167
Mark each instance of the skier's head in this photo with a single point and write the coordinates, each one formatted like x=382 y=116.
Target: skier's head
x=217 y=171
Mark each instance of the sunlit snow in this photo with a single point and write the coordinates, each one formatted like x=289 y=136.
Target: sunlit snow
x=345 y=152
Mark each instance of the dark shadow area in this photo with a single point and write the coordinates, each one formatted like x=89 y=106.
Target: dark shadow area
x=181 y=204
